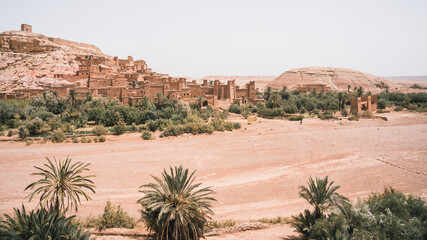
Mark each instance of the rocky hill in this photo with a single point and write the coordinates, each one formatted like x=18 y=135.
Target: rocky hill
x=336 y=78
x=29 y=60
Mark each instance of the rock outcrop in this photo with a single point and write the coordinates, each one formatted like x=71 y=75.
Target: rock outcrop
x=30 y=60
x=336 y=78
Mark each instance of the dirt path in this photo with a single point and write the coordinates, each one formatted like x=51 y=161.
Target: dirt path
x=255 y=171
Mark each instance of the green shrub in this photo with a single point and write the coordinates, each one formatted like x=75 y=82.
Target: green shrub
x=58 y=136
x=37 y=126
x=89 y=140
x=67 y=127
x=328 y=114
x=152 y=125
x=28 y=142
x=229 y=126
x=101 y=139
x=23 y=132
x=206 y=128
x=296 y=118
x=113 y=217
x=237 y=125
x=234 y=108
x=344 y=113
x=246 y=113
x=417 y=86
x=220 y=224
x=271 y=112
x=174 y=130
x=10 y=133
x=99 y=130
x=83 y=139
x=354 y=112
x=146 y=135
x=398 y=108
x=382 y=104
x=13 y=123
x=134 y=128
x=252 y=119
x=413 y=107
x=353 y=118
x=75 y=139
x=120 y=127
x=96 y=139
x=54 y=123
x=367 y=114
x=218 y=125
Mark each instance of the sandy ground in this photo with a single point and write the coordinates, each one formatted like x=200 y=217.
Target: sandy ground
x=255 y=171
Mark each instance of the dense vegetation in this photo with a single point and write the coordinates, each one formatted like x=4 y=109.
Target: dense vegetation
x=324 y=104
x=56 y=117
x=389 y=215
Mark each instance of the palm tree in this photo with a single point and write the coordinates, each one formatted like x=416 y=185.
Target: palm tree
x=267 y=93
x=61 y=184
x=72 y=97
x=200 y=101
x=321 y=195
x=274 y=100
x=41 y=224
x=174 y=207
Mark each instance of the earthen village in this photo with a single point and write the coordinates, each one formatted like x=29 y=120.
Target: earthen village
x=129 y=81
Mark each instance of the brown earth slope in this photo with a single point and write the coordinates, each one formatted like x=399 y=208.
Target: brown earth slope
x=336 y=78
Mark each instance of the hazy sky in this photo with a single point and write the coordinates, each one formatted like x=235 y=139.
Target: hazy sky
x=231 y=37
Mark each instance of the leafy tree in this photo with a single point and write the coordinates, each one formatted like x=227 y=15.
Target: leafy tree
x=174 y=207
x=61 y=184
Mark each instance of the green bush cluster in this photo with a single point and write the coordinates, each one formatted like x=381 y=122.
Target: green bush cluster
x=296 y=118
x=58 y=136
x=387 y=215
x=99 y=130
x=146 y=135
x=113 y=217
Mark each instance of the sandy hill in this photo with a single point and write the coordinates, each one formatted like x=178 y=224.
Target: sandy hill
x=335 y=78
x=260 y=81
x=28 y=58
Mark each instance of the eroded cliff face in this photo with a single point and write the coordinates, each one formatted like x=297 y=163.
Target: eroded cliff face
x=30 y=60
x=336 y=78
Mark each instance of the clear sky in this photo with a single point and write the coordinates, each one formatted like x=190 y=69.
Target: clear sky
x=239 y=37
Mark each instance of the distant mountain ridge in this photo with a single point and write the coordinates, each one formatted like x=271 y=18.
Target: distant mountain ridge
x=338 y=79
x=407 y=78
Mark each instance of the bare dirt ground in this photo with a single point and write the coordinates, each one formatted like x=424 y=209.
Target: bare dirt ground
x=255 y=171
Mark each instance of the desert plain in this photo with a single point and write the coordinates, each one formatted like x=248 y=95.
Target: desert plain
x=255 y=171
